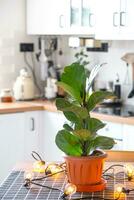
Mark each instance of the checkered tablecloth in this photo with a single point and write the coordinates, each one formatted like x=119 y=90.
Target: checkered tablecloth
x=13 y=188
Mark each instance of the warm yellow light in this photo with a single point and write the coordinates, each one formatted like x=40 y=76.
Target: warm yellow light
x=28 y=175
x=53 y=168
x=69 y=189
x=39 y=166
x=129 y=170
x=118 y=191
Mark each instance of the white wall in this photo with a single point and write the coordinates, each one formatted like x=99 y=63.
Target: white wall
x=12 y=32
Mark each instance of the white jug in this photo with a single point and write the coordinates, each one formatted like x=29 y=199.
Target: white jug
x=24 y=87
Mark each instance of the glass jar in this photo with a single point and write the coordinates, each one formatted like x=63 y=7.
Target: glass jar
x=6 y=95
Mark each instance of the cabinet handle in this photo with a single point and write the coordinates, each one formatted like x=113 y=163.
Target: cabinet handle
x=114 y=19
x=61 y=17
x=90 y=19
x=32 y=124
x=122 y=18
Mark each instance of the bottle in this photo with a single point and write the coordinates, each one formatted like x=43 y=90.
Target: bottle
x=117 y=87
x=51 y=88
x=6 y=96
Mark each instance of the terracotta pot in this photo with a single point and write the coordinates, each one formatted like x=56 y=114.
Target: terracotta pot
x=86 y=172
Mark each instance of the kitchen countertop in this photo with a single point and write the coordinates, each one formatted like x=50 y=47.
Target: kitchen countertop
x=22 y=106
x=48 y=105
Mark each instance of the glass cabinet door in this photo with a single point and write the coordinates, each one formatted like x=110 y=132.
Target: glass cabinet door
x=88 y=15
x=82 y=16
x=75 y=15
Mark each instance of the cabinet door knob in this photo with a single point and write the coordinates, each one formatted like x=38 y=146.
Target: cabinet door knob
x=32 y=124
x=122 y=18
x=115 y=15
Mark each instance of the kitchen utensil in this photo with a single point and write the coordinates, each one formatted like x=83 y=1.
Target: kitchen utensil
x=43 y=61
x=117 y=87
x=24 y=86
x=126 y=80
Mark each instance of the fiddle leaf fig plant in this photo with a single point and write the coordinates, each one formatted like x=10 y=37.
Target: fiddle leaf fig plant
x=79 y=137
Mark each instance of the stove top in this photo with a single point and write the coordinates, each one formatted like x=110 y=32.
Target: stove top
x=122 y=110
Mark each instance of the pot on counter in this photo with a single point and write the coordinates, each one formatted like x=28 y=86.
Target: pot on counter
x=24 y=86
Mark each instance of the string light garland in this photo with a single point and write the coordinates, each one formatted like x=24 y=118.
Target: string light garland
x=39 y=164
x=52 y=169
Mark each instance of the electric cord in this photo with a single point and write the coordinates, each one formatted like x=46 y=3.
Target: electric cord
x=112 y=177
x=36 y=156
x=115 y=165
x=45 y=186
x=32 y=71
x=47 y=176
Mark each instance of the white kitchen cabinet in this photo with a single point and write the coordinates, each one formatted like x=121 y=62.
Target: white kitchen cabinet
x=61 y=17
x=128 y=132
x=32 y=133
x=115 y=20
x=115 y=131
x=47 y=17
x=82 y=17
x=52 y=122
x=11 y=142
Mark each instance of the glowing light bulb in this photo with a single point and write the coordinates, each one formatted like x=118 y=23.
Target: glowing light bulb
x=28 y=175
x=119 y=191
x=39 y=166
x=129 y=170
x=53 y=168
x=69 y=189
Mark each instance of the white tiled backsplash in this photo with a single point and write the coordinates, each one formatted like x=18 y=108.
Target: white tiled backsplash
x=13 y=32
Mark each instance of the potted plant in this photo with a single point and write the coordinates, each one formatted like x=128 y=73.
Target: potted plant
x=79 y=139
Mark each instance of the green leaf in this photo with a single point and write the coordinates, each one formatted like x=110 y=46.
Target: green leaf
x=64 y=105
x=103 y=142
x=83 y=134
x=98 y=97
x=74 y=119
x=74 y=76
x=68 y=143
x=67 y=127
x=70 y=90
x=94 y=124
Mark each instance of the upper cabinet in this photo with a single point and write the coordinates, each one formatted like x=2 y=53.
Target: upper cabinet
x=47 y=17
x=115 y=19
x=106 y=19
x=61 y=17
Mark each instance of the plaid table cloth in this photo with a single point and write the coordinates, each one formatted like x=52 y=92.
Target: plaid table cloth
x=13 y=188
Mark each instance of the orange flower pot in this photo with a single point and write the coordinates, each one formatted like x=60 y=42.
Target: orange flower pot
x=86 y=172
